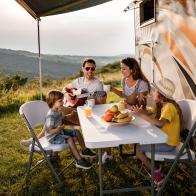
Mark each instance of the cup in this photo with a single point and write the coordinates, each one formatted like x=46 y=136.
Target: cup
x=90 y=102
x=106 y=87
x=122 y=106
x=87 y=111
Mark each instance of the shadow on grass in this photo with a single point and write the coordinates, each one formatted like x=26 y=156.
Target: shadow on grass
x=10 y=108
x=35 y=185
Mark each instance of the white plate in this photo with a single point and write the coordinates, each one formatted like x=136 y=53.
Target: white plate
x=120 y=124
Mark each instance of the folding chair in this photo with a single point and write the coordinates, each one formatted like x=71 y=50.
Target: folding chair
x=183 y=153
x=34 y=113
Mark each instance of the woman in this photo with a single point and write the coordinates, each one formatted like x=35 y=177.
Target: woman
x=135 y=89
x=134 y=83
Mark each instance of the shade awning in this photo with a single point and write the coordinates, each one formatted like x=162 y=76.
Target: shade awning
x=41 y=8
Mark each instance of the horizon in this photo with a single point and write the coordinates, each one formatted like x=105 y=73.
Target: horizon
x=64 y=54
x=103 y=30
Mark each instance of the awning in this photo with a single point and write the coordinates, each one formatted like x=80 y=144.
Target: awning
x=41 y=8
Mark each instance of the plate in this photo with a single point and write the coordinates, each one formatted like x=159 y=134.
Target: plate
x=119 y=124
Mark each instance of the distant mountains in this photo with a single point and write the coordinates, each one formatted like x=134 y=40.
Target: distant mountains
x=54 y=66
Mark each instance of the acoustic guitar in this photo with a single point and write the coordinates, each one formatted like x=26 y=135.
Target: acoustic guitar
x=79 y=96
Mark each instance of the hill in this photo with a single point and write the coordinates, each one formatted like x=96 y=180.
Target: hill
x=54 y=66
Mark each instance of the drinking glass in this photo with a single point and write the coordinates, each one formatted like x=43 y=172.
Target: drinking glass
x=87 y=111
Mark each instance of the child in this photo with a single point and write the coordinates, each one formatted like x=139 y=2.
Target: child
x=168 y=118
x=56 y=134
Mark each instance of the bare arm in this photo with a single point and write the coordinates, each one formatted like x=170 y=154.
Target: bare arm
x=142 y=113
x=55 y=130
x=116 y=91
x=142 y=98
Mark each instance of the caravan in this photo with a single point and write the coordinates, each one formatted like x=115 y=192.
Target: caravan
x=165 y=41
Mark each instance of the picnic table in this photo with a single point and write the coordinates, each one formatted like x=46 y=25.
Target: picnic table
x=99 y=134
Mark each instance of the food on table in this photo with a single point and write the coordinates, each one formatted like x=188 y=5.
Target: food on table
x=122 y=106
x=114 y=108
x=114 y=115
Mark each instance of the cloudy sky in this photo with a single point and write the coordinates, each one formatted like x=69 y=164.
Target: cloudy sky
x=100 y=30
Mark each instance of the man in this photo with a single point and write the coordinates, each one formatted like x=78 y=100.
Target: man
x=89 y=83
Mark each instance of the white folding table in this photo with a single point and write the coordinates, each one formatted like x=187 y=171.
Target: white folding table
x=99 y=134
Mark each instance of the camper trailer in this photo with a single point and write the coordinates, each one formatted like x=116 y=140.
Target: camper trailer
x=165 y=42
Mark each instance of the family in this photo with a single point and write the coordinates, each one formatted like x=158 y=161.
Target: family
x=166 y=113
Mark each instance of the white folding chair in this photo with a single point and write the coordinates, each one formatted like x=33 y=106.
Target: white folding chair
x=34 y=113
x=183 y=153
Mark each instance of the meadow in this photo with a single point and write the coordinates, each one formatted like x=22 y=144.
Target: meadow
x=14 y=158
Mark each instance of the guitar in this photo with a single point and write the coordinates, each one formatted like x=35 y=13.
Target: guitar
x=79 y=96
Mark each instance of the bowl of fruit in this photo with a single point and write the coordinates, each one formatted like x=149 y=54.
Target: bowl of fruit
x=115 y=117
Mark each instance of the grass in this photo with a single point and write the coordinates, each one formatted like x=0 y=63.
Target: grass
x=117 y=173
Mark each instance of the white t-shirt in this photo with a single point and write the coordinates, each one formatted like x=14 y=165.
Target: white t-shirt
x=143 y=87
x=89 y=86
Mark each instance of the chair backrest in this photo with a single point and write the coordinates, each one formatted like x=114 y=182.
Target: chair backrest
x=188 y=108
x=34 y=112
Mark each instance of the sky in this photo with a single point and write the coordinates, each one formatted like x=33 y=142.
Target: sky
x=102 y=30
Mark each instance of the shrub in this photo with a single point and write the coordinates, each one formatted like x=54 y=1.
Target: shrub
x=12 y=82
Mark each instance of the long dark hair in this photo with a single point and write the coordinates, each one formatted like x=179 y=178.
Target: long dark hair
x=136 y=70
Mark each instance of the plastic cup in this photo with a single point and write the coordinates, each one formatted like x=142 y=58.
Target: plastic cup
x=107 y=87
x=122 y=106
x=88 y=111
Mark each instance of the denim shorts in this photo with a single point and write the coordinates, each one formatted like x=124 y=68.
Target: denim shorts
x=60 y=138
x=158 y=148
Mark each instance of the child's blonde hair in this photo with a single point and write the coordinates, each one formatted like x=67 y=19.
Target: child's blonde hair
x=53 y=96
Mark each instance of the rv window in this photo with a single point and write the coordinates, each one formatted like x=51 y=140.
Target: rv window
x=147 y=11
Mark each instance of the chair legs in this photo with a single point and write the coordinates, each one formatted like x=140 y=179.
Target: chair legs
x=52 y=169
x=46 y=159
x=29 y=166
x=191 y=162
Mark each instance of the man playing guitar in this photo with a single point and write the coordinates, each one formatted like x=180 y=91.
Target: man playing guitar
x=89 y=83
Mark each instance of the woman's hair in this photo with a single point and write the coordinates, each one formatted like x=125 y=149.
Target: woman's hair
x=88 y=60
x=136 y=70
x=159 y=107
x=53 y=96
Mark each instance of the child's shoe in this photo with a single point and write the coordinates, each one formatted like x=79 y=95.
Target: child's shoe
x=87 y=153
x=158 y=177
x=106 y=157
x=82 y=163
x=27 y=142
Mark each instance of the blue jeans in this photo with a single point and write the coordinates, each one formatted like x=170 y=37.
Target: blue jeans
x=158 y=148
x=61 y=137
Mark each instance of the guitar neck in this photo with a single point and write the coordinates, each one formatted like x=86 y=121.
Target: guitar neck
x=94 y=94
x=83 y=95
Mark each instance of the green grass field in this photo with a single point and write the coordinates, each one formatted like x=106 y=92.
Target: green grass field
x=117 y=173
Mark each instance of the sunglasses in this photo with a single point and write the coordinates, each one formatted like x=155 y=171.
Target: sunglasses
x=89 y=68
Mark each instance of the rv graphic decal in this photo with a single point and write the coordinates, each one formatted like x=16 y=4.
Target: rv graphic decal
x=166 y=45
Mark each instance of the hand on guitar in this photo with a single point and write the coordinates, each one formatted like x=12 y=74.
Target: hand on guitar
x=76 y=97
x=68 y=96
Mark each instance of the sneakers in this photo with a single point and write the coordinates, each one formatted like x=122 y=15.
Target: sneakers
x=82 y=163
x=106 y=157
x=88 y=153
x=158 y=177
x=26 y=143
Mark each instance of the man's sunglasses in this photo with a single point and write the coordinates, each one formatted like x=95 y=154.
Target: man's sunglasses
x=90 y=68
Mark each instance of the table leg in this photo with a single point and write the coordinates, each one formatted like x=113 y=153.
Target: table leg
x=152 y=168
x=100 y=172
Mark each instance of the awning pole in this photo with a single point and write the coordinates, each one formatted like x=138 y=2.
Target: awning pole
x=39 y=53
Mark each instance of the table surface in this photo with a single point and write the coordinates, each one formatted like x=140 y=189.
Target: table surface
x=99 y=134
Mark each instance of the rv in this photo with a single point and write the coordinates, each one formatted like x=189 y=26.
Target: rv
x=165 y=42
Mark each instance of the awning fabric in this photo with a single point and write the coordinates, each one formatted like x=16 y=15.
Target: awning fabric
x=41 y=8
